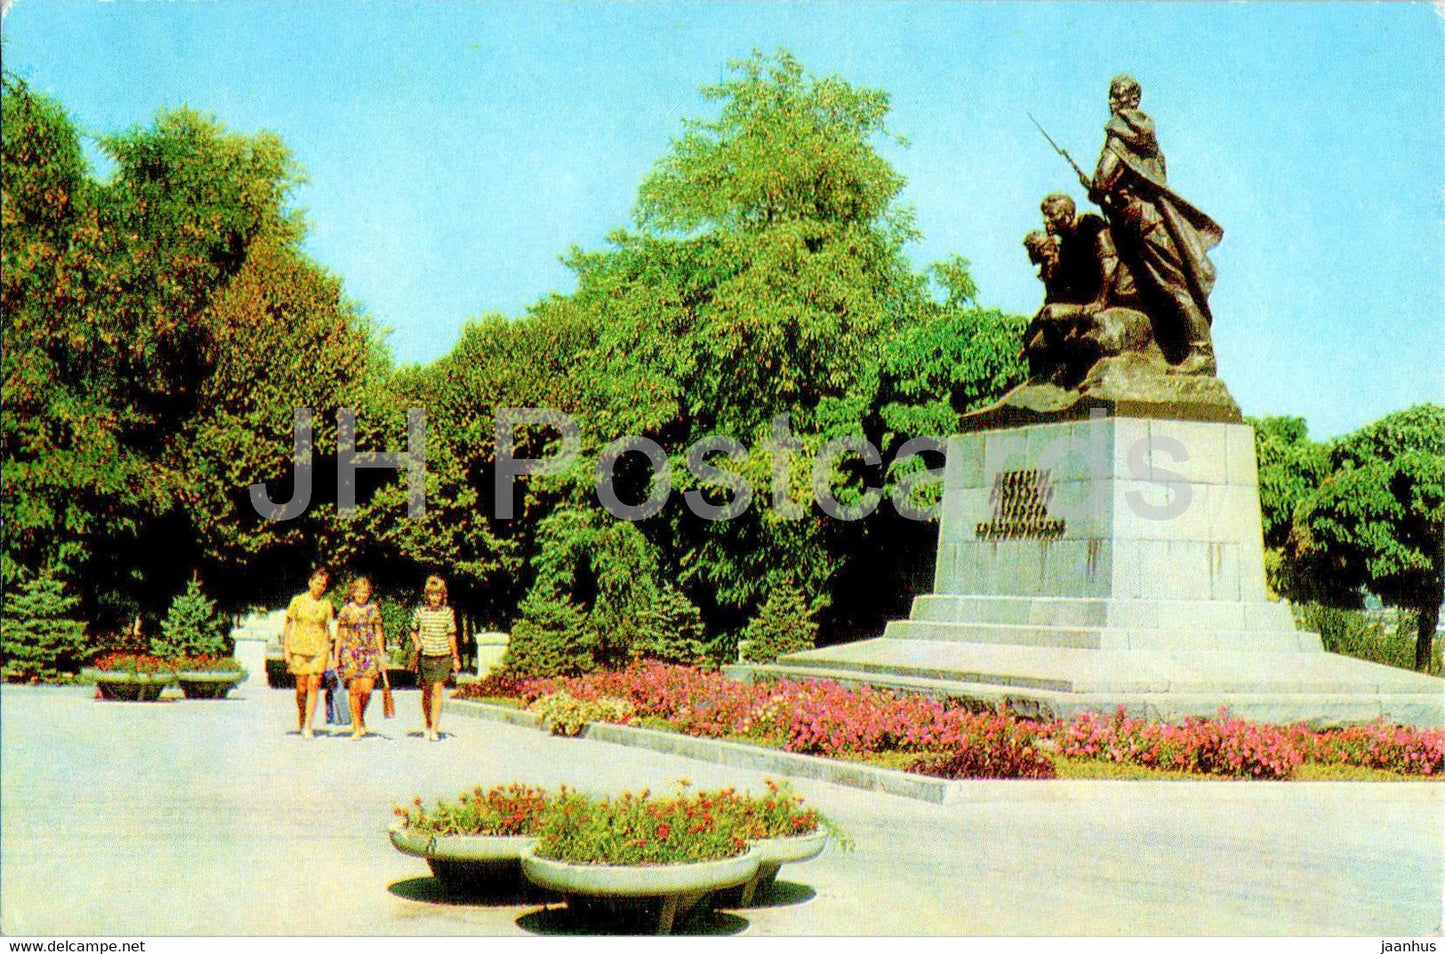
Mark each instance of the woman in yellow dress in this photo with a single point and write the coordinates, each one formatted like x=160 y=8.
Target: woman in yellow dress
x=306 y=645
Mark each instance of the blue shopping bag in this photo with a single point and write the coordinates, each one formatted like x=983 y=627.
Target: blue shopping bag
x=338 y=709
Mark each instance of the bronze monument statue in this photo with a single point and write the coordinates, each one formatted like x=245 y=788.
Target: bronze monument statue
x=1125 y=325
x=1164 y=239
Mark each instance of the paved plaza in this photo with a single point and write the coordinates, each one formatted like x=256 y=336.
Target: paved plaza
x=211 y=818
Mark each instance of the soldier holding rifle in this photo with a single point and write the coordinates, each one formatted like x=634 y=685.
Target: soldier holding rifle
x=1161 y=238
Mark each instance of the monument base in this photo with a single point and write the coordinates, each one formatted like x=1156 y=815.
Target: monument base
x=1089 y=565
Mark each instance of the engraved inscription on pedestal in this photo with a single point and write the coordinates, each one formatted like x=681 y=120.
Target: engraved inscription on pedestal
x=1019 y=500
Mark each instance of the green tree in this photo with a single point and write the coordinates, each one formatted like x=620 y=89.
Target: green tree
x=592 y=604
x=41 y=638
x=784 y=625
x=159 y=328
x=191 y=627
x=764 y=277
x=68 y=477
x=765 y=274
x=1378 y=519
x=1291 y=467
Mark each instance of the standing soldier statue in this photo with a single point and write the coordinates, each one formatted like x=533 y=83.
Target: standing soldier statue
x=1162 y=238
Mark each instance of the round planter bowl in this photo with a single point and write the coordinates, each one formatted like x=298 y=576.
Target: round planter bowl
x=466 y=861
x=773 y=853
x=209 y=685
x=129 y=687
x=658 y=894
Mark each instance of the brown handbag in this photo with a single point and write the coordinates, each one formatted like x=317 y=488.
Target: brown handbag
x=388 y=701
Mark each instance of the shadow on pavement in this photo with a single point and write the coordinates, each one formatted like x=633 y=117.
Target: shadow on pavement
x=563 y=921
x=779 y=894
x=434 y=891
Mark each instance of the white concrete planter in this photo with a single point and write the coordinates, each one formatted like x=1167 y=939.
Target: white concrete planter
x=650 y=895
x=129 y=686
x=772 y=854
x=197 y=684
x=473 y=861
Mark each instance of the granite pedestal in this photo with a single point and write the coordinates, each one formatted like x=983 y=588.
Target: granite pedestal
x=1114 y=561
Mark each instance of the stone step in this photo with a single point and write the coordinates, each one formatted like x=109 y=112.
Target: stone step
x=1104 y=611
x=1321 y=710
x=1106 y=671
x=1190 y=639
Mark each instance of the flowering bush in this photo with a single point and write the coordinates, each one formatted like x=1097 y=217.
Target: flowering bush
x=822 y=718
x=1221 y=746
x=212 y=663
x=630 y=829
x=778 y=814
x=134 y=664
x=496 y=685
x=562 y=714
x=1395 y=748
x=996 y=747
x=513 y=809
x=638 y=830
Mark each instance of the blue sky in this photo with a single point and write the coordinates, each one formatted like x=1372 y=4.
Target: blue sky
x=454 y=151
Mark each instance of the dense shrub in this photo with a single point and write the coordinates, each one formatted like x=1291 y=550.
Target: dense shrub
x=783 y=625
x=191 y=628
x=41 y=638
x=1354 y=633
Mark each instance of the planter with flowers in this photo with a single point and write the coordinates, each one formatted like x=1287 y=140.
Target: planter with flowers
x=208 y=677
x=130 y=677
x=780 y=830
x=636 y=860
x=477 y=841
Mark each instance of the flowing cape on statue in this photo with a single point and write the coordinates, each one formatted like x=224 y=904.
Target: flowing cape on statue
x=1130 y=137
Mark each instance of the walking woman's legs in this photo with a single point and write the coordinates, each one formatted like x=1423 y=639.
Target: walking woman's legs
x=312 y=690
x=435 y=691
x=300 y=703
x=360 y=697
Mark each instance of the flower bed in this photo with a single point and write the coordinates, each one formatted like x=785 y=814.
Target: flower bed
x=208 y=676
x=476 y=841
x=130 y=677
x=513 y=809
x=820 y=717
x=634 y=858
x=134 y=664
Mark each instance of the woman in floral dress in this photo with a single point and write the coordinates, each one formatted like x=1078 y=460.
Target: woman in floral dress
x=360 y=651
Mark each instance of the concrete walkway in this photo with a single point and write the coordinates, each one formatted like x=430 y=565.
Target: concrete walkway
x=209 y=818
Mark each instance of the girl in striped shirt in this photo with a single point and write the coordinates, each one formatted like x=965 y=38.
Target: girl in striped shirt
x=434 y=637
